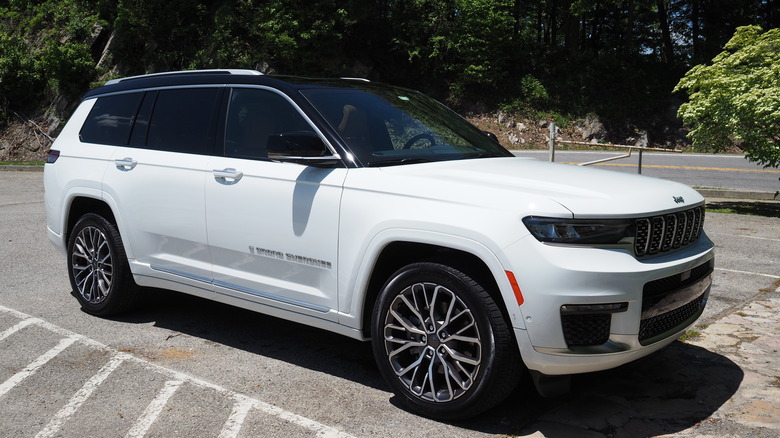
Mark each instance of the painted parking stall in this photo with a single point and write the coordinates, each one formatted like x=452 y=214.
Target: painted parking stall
x=67 y=394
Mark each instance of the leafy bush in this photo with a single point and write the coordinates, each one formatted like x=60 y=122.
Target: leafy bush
x=531 y=94
x=21 y=79
x=69 y=67
x=43 y=48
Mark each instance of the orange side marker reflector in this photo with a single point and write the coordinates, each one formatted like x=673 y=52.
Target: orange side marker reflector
x=515 y=288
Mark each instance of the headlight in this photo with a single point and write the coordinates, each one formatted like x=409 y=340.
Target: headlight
x=583 y=231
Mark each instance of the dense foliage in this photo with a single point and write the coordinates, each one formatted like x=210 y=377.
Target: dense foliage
x=736 y=99
x=618 y=59
x=43 y=50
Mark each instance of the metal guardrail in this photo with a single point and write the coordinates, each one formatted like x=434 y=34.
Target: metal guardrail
x=552 y=141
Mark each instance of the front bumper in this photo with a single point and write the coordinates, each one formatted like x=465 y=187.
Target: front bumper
x=649 y=302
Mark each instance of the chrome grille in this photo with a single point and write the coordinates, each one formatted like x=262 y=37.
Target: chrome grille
x=664 y=233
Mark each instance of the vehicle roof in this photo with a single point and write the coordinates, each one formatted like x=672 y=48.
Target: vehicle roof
x=209 y=77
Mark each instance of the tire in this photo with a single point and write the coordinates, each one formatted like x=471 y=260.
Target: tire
x=98 y=269
x=450 y=360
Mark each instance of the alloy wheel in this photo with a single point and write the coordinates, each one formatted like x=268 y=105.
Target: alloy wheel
x=432 y=342
x=91 y=264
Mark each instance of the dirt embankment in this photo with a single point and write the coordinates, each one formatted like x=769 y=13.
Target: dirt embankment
x=24 y=141
x=516 y=132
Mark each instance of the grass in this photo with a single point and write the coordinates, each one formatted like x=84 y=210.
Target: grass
x=690 y=334
x=751 y=208
x=22 y=163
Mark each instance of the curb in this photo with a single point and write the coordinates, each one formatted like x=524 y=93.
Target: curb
x=739 y=194
x=14 y=168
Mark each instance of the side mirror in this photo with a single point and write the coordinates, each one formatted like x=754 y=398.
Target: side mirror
x=302 y=147
x=491 y=136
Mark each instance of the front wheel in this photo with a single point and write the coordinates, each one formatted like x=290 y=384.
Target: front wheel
x=98 y=269
x=442 y=343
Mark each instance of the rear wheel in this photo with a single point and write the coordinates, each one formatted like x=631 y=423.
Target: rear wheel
x=442 y=343
x=98 y=269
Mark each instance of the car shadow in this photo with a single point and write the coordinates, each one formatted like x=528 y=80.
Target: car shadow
x=260 y=334
x=669 y=391
x=752 y=208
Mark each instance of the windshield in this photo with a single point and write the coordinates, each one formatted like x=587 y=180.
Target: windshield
x=384 y=125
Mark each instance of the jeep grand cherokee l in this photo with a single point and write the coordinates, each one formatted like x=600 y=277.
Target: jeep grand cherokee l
x=377 y=213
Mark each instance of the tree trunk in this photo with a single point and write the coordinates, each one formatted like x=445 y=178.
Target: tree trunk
x=541 y=29
x=553 y=20
x=628 y=30
x=667 y=50
x=571 y=29
x=695 y=29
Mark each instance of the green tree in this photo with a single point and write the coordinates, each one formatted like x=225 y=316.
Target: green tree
x=286 y=36
x=736 y=99
x=44 y=51
x=20 y=78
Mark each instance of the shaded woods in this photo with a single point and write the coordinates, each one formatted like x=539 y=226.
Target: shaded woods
x=617 y=60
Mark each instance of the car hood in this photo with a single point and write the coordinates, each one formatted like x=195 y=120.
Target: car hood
x=542 y=187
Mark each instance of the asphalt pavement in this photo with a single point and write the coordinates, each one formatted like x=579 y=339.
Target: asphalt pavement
x=715 y=175
x=183 y=366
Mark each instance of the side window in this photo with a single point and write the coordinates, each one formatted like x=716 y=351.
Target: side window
x=182 y=119
x=360 y=118
x=110 y=120
x=253 y=117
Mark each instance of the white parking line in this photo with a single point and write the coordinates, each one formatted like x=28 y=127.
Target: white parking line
x=152 y=411
x=747 y=272
x=320 y=429
x=20 y=325
x=757 y=237
x=81 y=396
x=232 y=427
x=32 y=368
x=236 y=419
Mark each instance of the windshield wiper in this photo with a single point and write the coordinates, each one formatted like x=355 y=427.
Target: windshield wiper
x=479 y=155
x=398 y=161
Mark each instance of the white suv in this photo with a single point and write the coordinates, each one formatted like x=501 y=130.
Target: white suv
x=377 y=213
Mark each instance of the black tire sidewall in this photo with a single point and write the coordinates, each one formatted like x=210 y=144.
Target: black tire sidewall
x=470 y=403
x=121 y=290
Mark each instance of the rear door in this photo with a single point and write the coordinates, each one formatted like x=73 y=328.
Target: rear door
x=157 y=185
x=272 y=227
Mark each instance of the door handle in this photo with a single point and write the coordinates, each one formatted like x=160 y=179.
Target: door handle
x=227 y=174
x=126 y=163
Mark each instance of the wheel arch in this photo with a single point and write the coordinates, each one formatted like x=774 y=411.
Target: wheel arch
x=81 y=205
x=398 y=254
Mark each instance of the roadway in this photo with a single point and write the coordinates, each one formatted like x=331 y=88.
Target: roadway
x=696 y=170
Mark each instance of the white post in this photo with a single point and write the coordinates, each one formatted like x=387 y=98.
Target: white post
x=552 y=141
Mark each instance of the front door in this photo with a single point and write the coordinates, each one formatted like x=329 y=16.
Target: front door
x=272 y=227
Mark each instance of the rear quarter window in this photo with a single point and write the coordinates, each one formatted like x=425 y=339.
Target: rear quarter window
x=111 y=119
